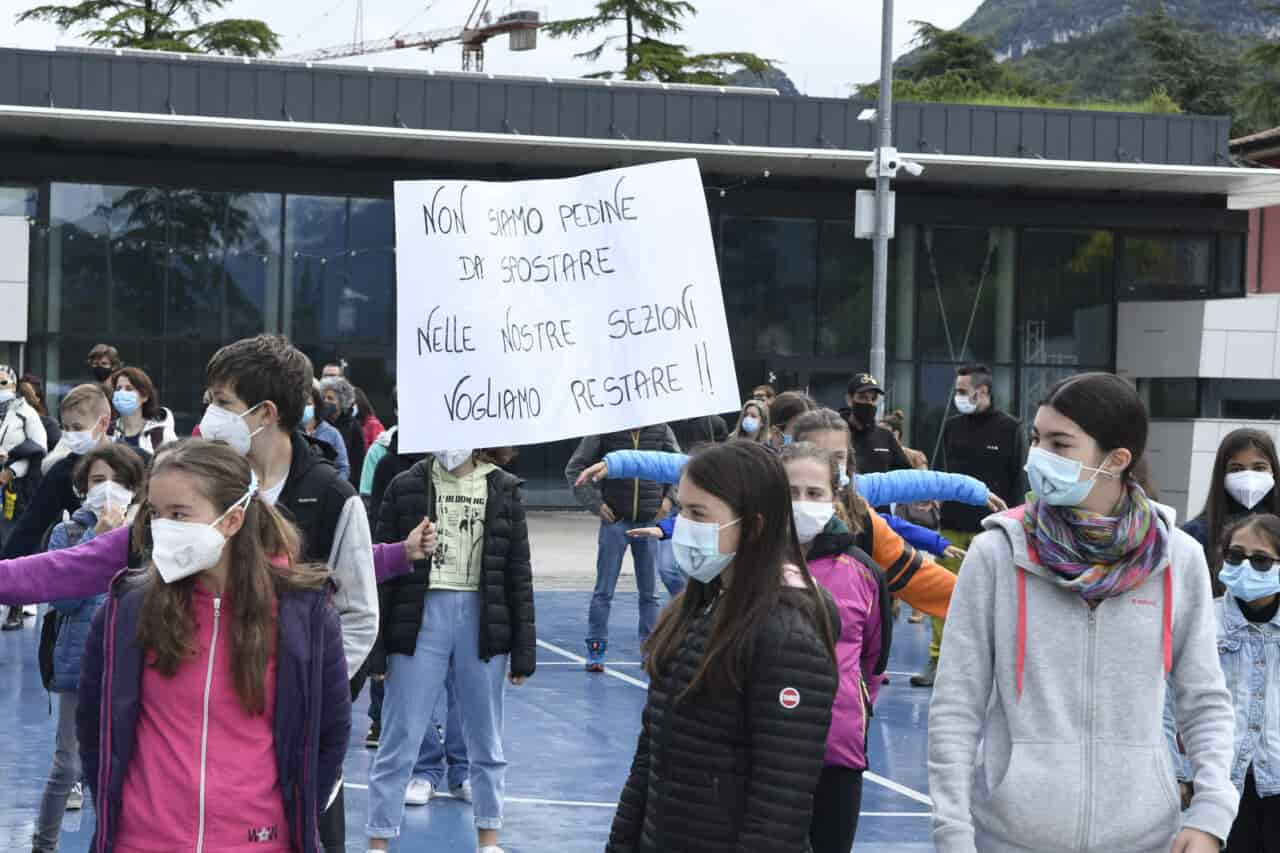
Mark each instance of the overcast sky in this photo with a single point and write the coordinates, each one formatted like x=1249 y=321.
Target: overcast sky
x=824 y=45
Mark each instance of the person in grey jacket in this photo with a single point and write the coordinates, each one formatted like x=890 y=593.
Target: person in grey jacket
x=1068 y=617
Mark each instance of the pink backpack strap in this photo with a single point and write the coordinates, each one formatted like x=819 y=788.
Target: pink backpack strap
x=1166 y=626
x=1022 y=628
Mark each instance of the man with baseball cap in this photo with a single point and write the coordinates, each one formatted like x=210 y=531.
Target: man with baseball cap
x=875 y=450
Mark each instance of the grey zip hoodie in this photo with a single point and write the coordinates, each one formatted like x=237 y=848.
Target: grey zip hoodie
x=1070 y=754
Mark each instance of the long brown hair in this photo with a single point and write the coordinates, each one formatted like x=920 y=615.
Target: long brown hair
x=851 y=507
x=751 y=480
x=263 y=563
x=1220 y=507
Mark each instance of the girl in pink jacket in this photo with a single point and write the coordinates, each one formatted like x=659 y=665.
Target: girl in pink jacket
x=858 y=587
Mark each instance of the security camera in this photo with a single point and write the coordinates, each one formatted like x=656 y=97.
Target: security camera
x=914 y=169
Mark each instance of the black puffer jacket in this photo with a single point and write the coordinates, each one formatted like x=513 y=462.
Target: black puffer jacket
x=506 y=581
x=727 y=771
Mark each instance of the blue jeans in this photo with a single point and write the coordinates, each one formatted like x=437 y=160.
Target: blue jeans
x=672 y=578
x=450 y=635
x=613 y=547
x=432 y=756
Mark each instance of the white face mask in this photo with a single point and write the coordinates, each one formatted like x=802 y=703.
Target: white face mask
x=965 y=405
x=1249 y=487
x=80 y=442
x=452 y=460
x=6 y=396
x=811 y=518
x=220 y=425
x=181 y=549
x=108 y=494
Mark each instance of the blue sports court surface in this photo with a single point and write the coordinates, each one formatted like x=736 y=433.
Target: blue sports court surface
x=570 y=737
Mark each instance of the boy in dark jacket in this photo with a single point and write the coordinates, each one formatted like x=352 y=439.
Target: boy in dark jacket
x=623 y=506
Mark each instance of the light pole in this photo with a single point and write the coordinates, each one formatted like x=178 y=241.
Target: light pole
x=884 y=177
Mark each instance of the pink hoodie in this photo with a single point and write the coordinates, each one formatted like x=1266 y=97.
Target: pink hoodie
x=178 y=758
x=857 y=595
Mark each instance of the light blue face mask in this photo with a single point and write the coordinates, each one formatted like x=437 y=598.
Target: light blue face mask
x=696 y=548
x=125 y=402
x=1247 y=583
x=308 y=413
x=750 y=425
x=1056 y=479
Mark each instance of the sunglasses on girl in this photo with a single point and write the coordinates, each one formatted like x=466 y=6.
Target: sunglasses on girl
x=1261 y=563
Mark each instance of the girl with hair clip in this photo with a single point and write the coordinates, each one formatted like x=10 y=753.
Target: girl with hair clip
x=742 y=674
x=1242 y=484
x=214 y=706
x=1074 y=616
x=862 y=652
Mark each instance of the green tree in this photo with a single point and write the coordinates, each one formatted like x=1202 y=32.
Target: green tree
x=177 y=25
x=1260 y=100
x=1182 y=62
x=647 y=56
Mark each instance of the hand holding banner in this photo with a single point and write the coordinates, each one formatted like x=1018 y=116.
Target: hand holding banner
x=542 y=310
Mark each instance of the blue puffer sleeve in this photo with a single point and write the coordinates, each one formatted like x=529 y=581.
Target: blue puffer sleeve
x=667 y=526
x=909 y=487
x=920 y=538
x=655 y=465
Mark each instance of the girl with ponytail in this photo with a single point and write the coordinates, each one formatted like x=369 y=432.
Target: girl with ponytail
x=214 y=705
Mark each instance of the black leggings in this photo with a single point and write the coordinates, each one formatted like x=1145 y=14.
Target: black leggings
x=836 y=804
x=1257 y=826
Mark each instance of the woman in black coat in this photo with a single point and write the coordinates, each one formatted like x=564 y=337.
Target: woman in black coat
x=742 y=674
x=339 y=397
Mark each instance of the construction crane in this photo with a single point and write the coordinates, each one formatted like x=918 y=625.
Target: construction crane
x=521 y=27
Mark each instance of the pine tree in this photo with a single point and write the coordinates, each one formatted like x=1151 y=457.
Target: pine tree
x=1183 y=64
x=647 y=55
x=176 y=25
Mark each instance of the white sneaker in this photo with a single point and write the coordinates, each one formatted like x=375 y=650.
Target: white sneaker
x=75 y=800
x=492 y=848
x=462 y=792
x=418 y=793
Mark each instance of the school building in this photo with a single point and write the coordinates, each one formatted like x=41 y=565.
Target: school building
x=168 y=204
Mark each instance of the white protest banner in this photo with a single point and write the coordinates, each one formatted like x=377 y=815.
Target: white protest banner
x=542 y=310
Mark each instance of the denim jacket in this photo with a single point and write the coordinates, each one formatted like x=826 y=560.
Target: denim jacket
x=1250 y=657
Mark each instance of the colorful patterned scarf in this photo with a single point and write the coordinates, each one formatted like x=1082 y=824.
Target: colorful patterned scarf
x=1098 y=556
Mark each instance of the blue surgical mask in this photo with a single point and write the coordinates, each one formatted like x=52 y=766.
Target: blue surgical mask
x=1056 y=479
x=750 y=425
x=126 y=402
x=696 y=547
x=308 y=413
x=787 y=439
x=1248 y=584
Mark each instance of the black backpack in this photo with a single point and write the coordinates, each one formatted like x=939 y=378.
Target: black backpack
x=52 y=622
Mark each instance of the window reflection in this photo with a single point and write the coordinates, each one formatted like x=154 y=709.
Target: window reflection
x=965 y=300
x=1162 y=267
x=769 y=278
x=1067 y=306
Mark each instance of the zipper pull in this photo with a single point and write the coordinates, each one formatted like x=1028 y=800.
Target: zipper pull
x=217 y=605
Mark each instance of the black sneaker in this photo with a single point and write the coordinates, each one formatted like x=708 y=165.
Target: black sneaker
x=13 y=622
x=375 y=732
x=926 y=676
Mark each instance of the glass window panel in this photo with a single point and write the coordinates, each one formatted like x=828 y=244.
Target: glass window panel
x=1173 y=398
x=844 y=291
x=366 y=304
x=1067 y=306
x=769 y=277
x=966 y=291
x=1231 y=249
x=18 y=201
x=226 y=252
x=1165 y=267
x=316 y=244
x=1036 y=382
x=1243 y=399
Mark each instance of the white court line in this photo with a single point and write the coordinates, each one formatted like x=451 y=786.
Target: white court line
x=578 y=663
x=551 y=647
x=869 y=776
x=538 y=801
